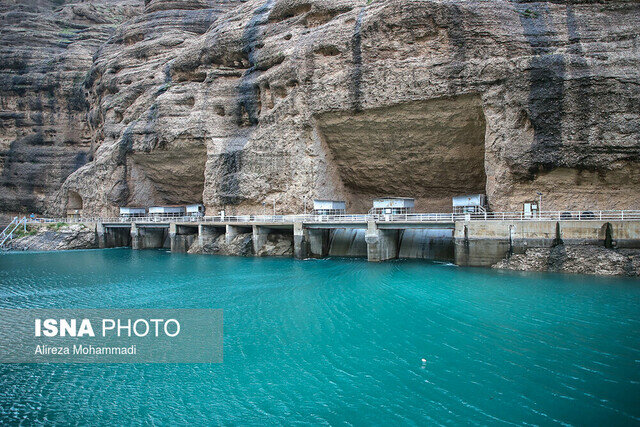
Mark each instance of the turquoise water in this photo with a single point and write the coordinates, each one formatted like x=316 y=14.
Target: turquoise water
x=338 y=341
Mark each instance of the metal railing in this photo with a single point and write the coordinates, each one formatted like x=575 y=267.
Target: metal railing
x=600 y=215
x=6 y=235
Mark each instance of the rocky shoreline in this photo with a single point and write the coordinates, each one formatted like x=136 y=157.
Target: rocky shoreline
x=55 y=237
x=580 y=259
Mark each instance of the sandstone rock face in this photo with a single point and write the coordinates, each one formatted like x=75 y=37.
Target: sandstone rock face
x=47 y=47
x=242 y=104
x=576 y=259
x=66 y=237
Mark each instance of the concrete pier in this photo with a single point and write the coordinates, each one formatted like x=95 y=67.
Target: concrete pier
x=148 y=236
x=382 y=244
x=101 y=235
x=182 y=237
x=259 y=238
x=136 y=241
x=300 y=243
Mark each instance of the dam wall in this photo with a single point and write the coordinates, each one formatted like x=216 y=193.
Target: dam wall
x=484 y=243
x=113 y=237
x=182 y=237
x=467 y=243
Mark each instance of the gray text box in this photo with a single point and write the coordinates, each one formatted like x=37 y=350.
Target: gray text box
x=111 y=336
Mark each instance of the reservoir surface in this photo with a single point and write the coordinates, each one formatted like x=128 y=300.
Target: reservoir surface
x=337 y=341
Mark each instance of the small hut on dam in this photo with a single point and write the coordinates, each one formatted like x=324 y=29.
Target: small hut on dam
x=195 y=210
x=472 y=203
x=392 y=206
x=132 y=212
x=167 y=211
x=329 y=207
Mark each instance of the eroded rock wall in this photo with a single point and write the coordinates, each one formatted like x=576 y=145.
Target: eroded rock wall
x=243 y=104
x=47 y=47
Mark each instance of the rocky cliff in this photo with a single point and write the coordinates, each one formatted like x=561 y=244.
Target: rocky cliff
x=238 y=104
x=47 y=48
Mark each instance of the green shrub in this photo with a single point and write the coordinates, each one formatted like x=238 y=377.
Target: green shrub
x=20 y=232
x=57 y=226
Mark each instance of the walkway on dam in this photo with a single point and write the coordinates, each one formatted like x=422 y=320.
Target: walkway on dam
x=359 y=220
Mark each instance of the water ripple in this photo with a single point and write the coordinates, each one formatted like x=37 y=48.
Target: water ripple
x=338 y=342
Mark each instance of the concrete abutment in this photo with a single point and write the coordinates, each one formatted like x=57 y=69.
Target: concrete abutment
x=484 y=243
x=382 y=244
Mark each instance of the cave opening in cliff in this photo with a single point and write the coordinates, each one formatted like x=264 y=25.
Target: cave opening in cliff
x=173 y=176
x=429 y=150
x=74 y=200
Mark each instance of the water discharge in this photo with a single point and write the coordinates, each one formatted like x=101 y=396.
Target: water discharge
x=328 y=341
x=348 y=242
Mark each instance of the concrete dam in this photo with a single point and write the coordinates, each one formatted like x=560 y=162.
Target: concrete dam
x=464 y=242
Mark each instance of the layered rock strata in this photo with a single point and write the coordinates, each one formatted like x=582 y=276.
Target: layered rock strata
x=242 y=105
x=47 y=48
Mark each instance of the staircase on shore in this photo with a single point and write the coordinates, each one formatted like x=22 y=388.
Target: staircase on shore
x=8 y=232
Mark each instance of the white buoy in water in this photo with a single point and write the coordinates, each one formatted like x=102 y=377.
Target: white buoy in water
x=424 y=360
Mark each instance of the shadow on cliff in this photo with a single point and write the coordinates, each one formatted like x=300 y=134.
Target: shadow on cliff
x=553 y=91
x=248 y=108
x=546 y=85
